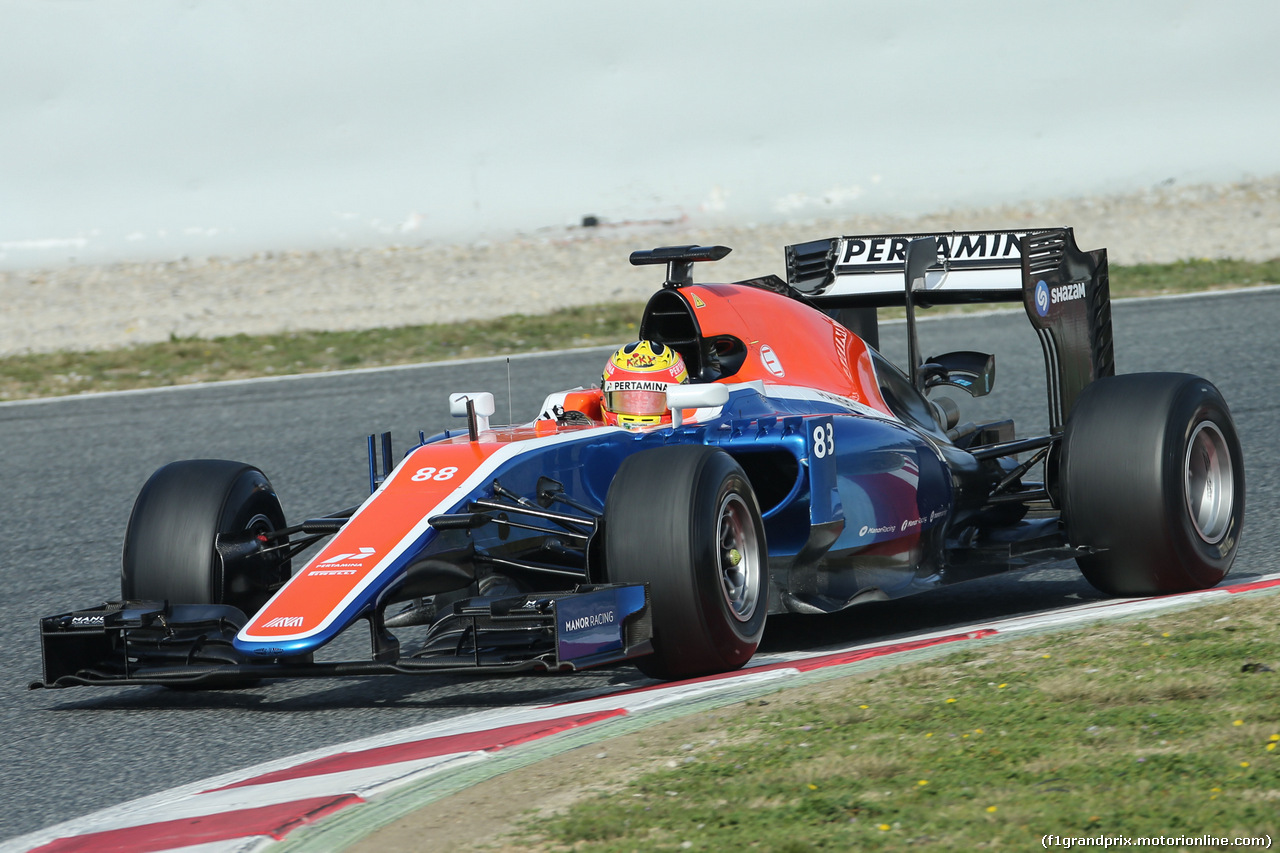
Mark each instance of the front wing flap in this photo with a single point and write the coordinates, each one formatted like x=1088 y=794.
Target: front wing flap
x=149 y=642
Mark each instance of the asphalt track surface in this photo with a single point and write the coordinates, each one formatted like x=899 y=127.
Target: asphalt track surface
x=71 y=468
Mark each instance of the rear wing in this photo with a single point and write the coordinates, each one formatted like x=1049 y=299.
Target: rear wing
x=866 y=271
x=1065 y=291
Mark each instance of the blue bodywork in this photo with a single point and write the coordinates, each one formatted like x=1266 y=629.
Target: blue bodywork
x=852 y=503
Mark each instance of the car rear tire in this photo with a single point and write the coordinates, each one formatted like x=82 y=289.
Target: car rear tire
x=170 y=546
x=685 y=521
x=1152 y=477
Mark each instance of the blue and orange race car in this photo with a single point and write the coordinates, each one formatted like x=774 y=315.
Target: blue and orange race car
x=752 y=454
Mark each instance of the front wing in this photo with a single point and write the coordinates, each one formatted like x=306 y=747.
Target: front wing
x=147 y=642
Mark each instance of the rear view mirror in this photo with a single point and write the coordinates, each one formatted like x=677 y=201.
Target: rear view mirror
x=700 y=396
x=475 y=406
x=697 y=396
x=974 y=372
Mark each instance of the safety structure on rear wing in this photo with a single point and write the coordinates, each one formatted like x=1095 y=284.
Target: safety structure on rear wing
x=1065 y=290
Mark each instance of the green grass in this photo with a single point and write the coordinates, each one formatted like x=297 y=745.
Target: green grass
x=1136 y=729
x=1192 y=275
x=186 y=360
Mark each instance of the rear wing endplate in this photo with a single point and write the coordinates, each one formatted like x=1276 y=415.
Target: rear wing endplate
x=1065 y=291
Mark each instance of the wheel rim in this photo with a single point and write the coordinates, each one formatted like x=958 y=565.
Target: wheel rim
x=738 y=558
x=1209 y=483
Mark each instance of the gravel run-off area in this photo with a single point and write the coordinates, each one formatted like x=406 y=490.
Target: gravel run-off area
x=89 y=307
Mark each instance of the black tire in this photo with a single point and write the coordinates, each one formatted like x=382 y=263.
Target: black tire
x=170 y=551
x=685 y=521
x=1152 y=475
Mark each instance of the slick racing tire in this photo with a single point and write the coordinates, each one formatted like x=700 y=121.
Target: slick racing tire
x=1152 y=481
x=685 y=521
x=181 y=516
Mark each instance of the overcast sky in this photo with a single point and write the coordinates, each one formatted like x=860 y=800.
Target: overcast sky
x=149 y=129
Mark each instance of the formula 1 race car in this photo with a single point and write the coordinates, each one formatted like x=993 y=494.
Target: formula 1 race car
x=788 y=467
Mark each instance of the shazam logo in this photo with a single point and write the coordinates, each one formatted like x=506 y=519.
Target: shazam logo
x=1042 y=299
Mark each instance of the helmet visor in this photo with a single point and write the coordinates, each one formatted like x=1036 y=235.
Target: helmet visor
x=634 y=402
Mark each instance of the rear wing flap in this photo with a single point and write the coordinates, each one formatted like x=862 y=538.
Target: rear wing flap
x=1064 y=290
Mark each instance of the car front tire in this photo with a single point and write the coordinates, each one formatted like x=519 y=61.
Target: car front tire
x=170 y=546
x=685 y=521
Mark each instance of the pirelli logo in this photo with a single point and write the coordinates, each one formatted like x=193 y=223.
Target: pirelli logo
x=285 y=622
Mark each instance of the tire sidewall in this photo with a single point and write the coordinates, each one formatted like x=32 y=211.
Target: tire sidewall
x=735 y=640
x=250 y=503
x=1204 y=563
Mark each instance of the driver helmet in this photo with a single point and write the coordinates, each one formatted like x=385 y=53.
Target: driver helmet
x=635 y=384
